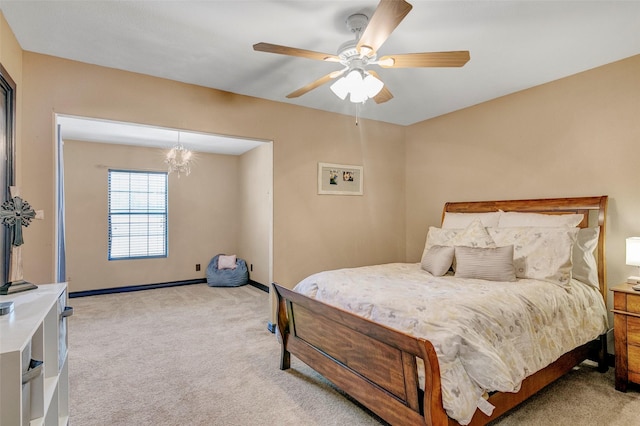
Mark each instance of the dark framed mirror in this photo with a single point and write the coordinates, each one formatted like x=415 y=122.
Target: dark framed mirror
x=7 y=159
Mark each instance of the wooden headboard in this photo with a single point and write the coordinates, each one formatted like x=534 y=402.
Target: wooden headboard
x=593 y=209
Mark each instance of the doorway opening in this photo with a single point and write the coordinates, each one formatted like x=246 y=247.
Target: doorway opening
x=224 y=206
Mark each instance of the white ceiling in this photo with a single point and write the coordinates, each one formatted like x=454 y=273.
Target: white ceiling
x=514 y=45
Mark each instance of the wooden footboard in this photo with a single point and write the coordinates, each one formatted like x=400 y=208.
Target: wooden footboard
x=372 y=363
x=377 y=366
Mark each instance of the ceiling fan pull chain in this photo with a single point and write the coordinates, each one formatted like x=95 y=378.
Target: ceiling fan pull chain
x=357 y=108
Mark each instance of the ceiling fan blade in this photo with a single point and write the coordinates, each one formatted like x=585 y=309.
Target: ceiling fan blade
x=292 y=51
x=309 y=87
x=384 y=95
x=427 y=59
x=385 y=19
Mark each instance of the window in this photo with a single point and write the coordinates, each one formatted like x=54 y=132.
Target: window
x=137 y=214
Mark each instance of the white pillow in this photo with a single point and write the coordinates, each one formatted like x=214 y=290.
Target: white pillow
x=440 y=237
x=585 y=266
x=437 y=260
x=462 y=220
x=541 y=253
x=515 y=219
x=474 y=235
x=227 y=262
x=493 y=264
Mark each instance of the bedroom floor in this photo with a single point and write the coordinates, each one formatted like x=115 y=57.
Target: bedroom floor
x=201 y=355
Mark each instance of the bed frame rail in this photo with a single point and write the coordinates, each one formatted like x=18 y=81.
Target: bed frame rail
x=372 y=363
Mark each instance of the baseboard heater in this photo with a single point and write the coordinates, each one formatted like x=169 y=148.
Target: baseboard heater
x=126 y=289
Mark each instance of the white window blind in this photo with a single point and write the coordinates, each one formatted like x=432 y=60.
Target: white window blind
x=137 y=214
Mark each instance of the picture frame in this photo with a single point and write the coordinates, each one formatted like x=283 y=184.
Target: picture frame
x=340 y=179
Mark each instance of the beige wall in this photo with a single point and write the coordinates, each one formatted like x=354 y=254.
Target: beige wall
x=576 y=136
x=579 y=136
x=311 y=232
x=203 y=212
x=255 y=215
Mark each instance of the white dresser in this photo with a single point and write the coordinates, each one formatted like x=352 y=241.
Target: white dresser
x=36 y=331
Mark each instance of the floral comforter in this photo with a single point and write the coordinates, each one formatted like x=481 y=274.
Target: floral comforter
x=488 y=336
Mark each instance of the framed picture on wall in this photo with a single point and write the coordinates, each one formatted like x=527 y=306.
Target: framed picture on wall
x=339 y=179
x=7 y=167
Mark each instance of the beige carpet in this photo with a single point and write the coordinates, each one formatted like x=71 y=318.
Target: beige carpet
x=196 y=355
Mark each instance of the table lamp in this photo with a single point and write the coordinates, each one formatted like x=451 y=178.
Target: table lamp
x=633 y=257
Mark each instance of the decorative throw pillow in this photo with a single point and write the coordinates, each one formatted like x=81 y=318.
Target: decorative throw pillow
x=437 y=260
x=493 y=264
x=474 y=235
x=462 y=220
x=227 y=262
x=539 y=253
x=517 y=219
x=585 y=266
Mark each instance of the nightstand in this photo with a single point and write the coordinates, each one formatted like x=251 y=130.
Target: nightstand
x=626 y=330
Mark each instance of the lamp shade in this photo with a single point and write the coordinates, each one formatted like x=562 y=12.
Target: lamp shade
x=633 y=251
x=357 y=91
x=340 y=88
x=359 y=85
x=372 y=85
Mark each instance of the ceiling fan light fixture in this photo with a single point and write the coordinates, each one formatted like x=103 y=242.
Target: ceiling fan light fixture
x=372 y=85
x=345 y=85
x=355 y=83
x=354 y=77
x=358 y=94
x=358 y=97
x=358 y=84
x=340 y=88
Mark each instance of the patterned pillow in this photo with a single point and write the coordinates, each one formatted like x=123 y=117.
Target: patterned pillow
x=493 y=264
x=474 y=235
x=539 y=253
x=437 y=260
x=585 y=266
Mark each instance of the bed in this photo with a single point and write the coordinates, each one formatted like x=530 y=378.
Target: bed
x=400 y=368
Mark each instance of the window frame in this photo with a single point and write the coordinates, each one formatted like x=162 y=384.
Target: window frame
x=131 y=212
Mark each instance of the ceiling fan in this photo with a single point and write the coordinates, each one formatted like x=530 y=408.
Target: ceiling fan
x=357 y=55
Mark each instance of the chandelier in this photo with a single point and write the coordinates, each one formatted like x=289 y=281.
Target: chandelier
x=179 y=159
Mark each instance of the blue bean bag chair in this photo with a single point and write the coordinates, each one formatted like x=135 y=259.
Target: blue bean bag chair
x=226 y=276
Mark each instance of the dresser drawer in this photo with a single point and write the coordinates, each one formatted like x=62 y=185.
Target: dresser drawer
x=633 y=331
x=633 y=303
x=634 y=359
